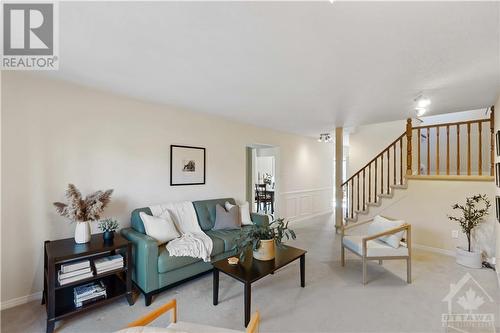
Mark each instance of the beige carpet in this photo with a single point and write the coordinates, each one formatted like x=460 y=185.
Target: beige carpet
x=334 y=300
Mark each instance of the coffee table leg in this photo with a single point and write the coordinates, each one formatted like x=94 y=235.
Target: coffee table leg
x=216 y=286
x=303 y=270
x=248 y=298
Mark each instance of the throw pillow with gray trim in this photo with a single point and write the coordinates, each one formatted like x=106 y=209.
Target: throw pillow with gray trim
x=227 y=220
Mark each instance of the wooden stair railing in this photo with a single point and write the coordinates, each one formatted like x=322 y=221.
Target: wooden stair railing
x=432 y=164
x=358 y=194
x=374 y=180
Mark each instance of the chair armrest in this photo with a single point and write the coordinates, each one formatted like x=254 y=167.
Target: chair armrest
x=405 y=227
x=354 y=225
x=253 y=324
x=143 y=321
x=387 y=232
x=145 y=255
x=259 y=219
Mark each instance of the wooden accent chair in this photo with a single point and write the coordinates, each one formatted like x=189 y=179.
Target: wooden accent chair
x=139 y=326
x=369 y=246
x=264 y=198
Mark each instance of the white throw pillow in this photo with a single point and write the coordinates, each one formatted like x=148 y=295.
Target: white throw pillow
x=161 y=229
x=244 y=212
x=228 y=205
x=381 y=224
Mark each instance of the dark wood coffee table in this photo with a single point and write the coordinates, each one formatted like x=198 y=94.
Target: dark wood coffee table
x=252 y=270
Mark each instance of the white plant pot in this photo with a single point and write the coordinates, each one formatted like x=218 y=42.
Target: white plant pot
x=82 y=232
x=265 y=251
x=469 y=259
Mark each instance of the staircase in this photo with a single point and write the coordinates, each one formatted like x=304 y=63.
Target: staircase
x=450 y=151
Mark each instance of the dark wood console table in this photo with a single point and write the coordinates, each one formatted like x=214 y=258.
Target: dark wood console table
x=58 y=299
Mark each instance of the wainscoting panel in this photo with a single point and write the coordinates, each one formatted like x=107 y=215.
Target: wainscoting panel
x=291 y=206
x=299 y=205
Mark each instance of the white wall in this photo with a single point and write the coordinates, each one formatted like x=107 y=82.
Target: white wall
x=55 y=133
x=425 y=205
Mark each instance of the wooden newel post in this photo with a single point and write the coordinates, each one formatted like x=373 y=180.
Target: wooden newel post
x=492 y=141
x=409 y=130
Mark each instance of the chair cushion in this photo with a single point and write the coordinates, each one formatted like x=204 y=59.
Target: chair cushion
x=167 y=263
x=182 y=326
x=374 y=248
x=227 y=236
x=147 y=329
x=381 y=224
x=205 y=210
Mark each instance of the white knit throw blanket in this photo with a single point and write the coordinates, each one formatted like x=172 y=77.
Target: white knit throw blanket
x=193 y=242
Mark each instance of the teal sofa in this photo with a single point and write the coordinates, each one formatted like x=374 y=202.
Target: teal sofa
x=154 y=270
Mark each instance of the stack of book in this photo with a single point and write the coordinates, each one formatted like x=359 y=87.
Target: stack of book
x=108 y=263
x=74 y=271
x=89 y=293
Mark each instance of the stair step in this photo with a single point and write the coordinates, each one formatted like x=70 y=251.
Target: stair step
x=351 y=220
x=374 y=204
x=385 y=195
x=363 y=212
x=399 y=186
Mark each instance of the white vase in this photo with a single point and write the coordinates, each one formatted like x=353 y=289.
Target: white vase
x=82 y=232
x=469 y=259
x=265 y=251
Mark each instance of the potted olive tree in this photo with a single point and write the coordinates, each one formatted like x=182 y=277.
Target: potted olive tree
x=263 y=239
x=472 y=214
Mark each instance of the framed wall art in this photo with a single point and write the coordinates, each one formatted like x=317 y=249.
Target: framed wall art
x=187 y=165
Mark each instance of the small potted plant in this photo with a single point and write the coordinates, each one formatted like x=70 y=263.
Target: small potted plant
x=83 y=210
x=473 y=213
x=263 y=239
x=108 y=227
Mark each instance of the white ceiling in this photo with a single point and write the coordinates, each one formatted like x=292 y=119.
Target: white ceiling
x=303 y=67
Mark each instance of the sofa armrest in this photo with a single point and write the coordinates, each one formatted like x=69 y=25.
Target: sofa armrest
x=145 y=255
x=259 y=219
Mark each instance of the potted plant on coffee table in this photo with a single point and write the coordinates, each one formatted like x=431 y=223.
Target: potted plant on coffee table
x=473 y=213
x=263 y=239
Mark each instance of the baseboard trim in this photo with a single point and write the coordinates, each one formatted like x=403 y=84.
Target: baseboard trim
x=434 y=250
x=21 y=300
x=310 y=216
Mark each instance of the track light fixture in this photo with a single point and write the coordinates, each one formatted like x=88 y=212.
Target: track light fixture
x=325 y=137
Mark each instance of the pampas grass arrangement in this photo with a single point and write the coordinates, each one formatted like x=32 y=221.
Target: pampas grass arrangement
x=80 y=210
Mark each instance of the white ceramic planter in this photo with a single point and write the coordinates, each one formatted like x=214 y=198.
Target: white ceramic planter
x=265 y=251
x=82 y=232
x=469 y=259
